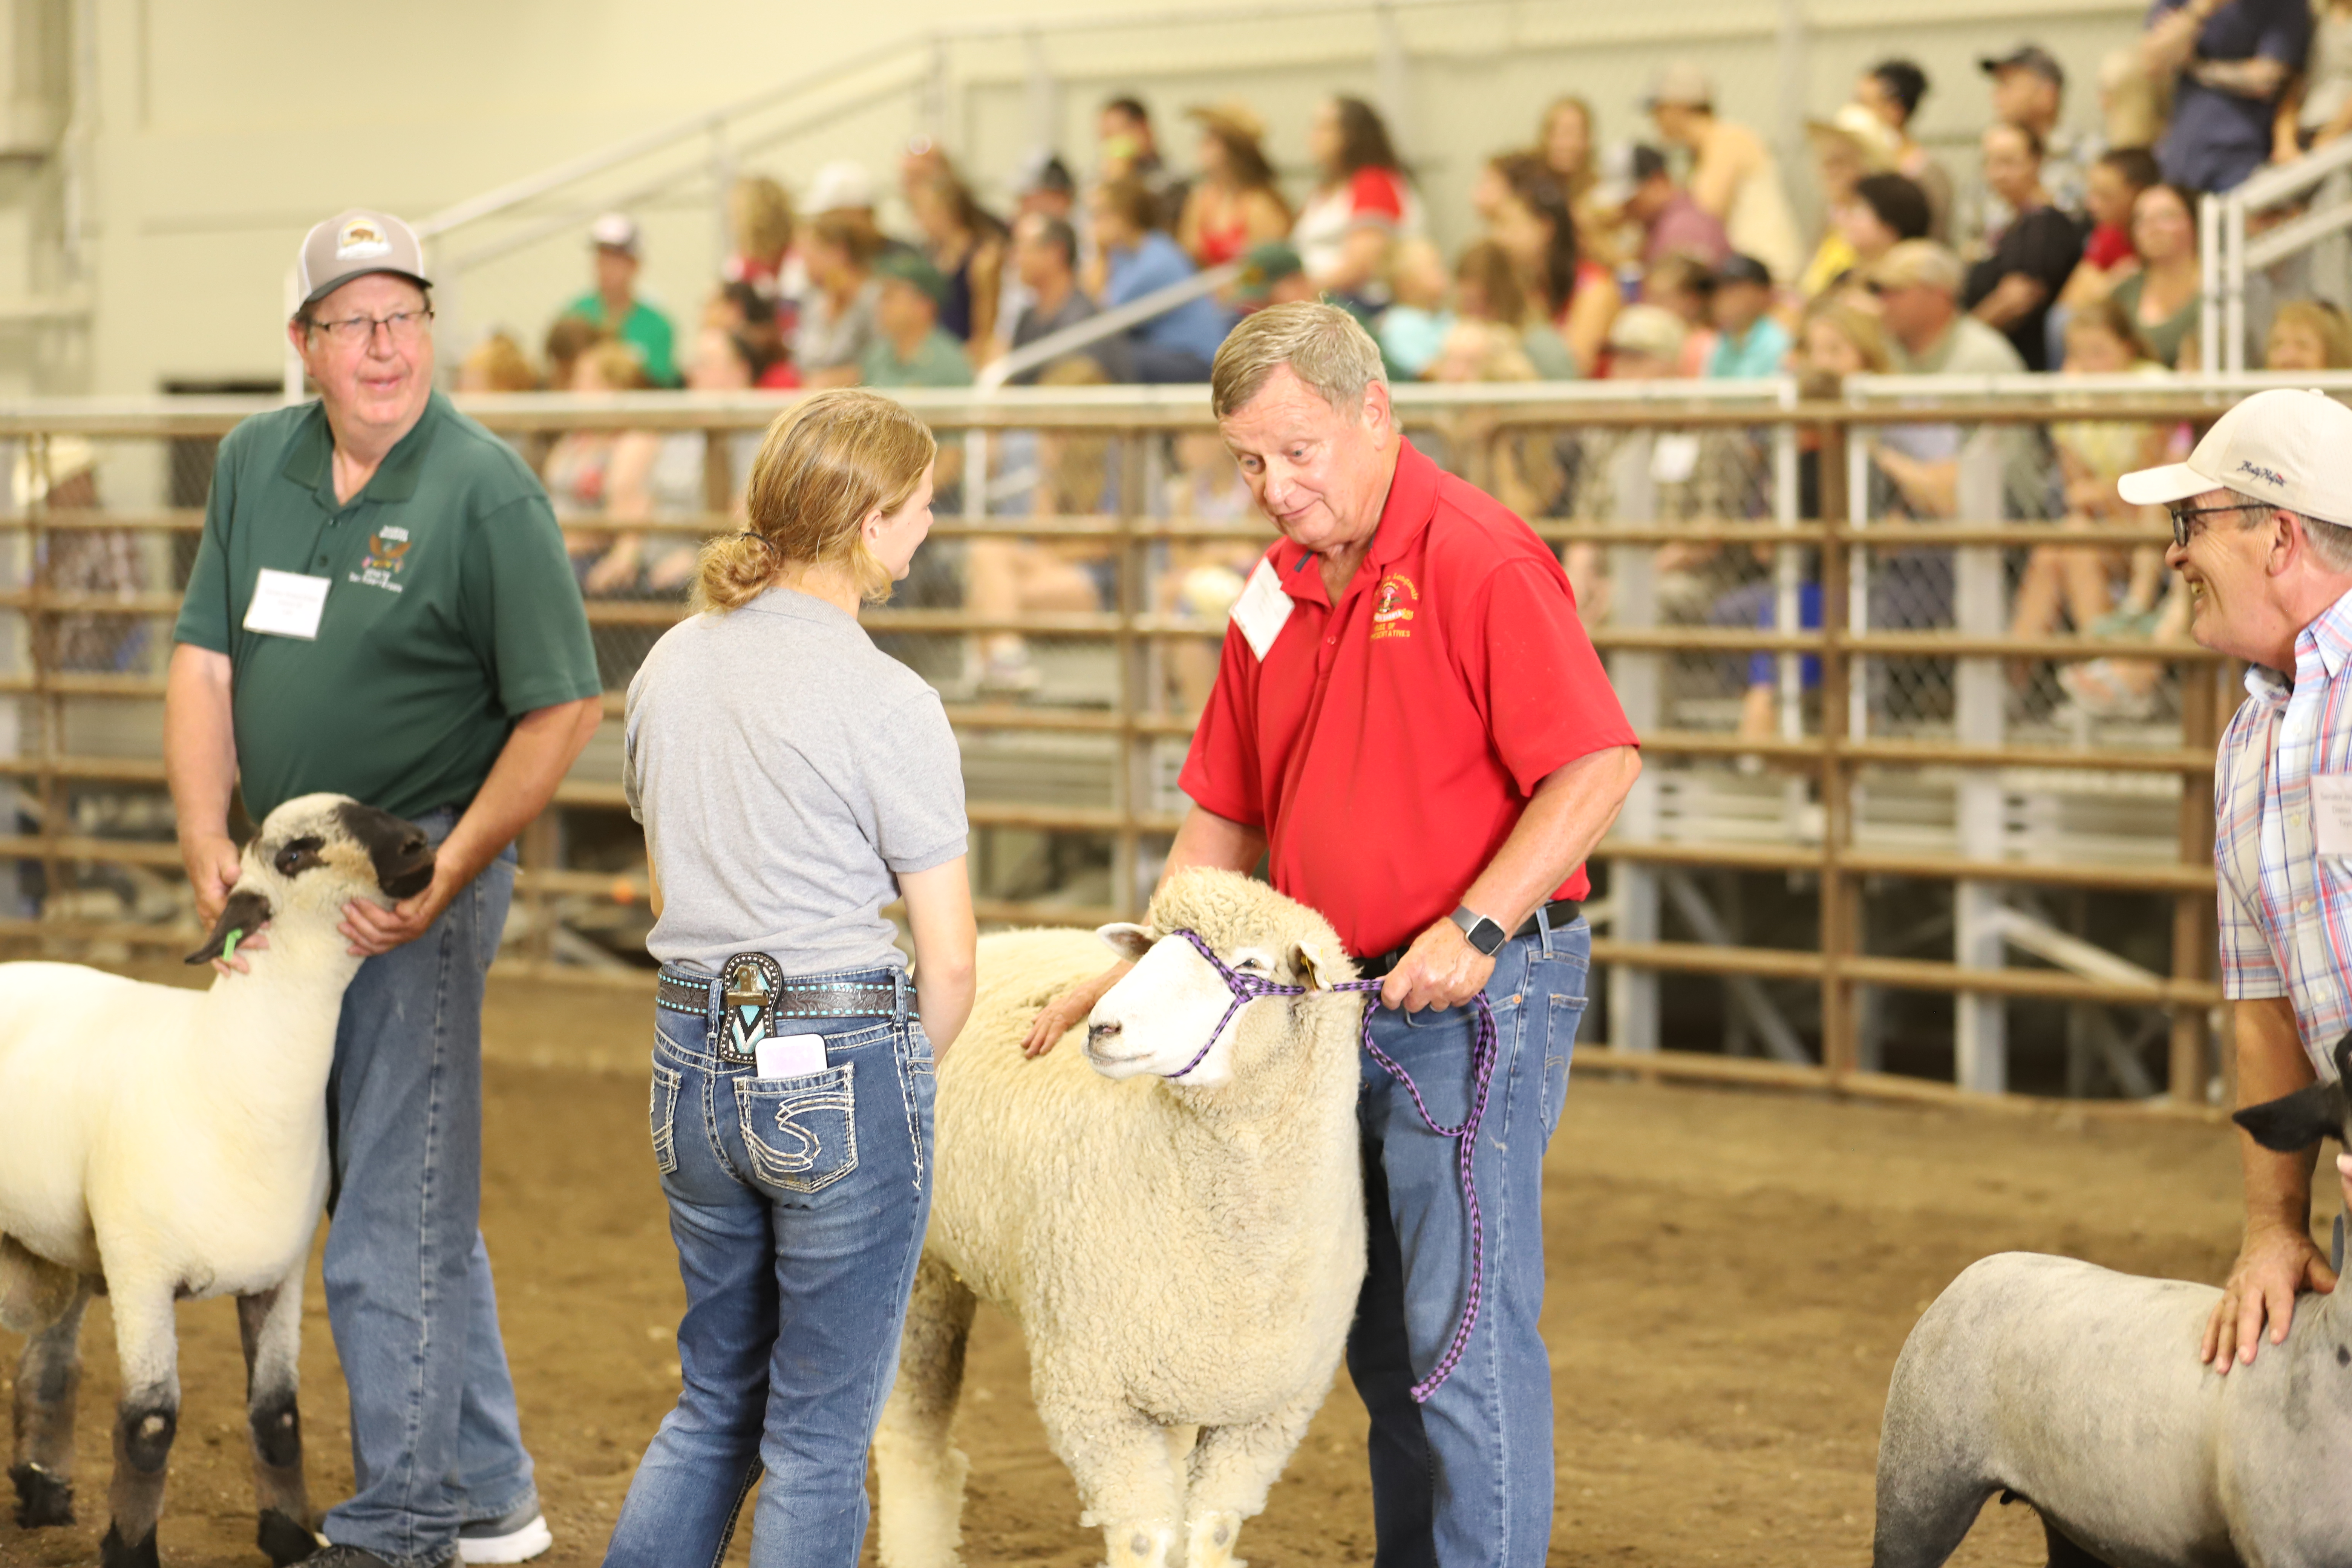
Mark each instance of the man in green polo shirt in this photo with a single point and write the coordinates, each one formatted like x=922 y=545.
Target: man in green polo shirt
x=381 y=605
x=615 y=305
x=913 y=349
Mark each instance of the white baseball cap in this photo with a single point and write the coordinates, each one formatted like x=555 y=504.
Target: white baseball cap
x=844 y=182
x=615 y=231
x=2288 y=448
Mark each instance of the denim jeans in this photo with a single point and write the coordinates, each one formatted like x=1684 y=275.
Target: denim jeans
x=435 y=1437
x=1467 y=1478
x=798 y=1205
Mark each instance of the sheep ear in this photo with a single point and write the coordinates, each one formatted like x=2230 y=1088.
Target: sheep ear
x=1130 y=942
x=1315 y=970
x=246 y=913
x=2297 y=1120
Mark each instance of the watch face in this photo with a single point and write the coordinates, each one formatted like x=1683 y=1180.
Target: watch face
x=1487 y=936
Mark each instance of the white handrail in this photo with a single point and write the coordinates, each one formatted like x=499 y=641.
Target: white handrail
x=1105 y=324
x=2227 y=253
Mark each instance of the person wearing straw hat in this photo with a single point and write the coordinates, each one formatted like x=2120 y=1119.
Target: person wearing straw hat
x=1234 y=202
x=2262 y=536
x=380 y=606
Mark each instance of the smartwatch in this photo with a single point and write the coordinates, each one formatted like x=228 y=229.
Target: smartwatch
x=1483 y=933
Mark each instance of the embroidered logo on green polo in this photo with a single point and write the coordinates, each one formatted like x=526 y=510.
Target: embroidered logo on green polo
x=387 y=550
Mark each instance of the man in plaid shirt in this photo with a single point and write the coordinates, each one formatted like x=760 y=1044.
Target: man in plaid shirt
x=2262 y=536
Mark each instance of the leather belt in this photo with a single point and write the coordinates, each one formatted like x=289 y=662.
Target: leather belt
x=704 y=996
x=1559 y=912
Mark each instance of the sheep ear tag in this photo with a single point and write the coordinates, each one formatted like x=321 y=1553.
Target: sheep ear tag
x=747 y=1011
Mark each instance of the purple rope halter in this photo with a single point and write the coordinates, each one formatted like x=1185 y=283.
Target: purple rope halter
x=1248 y=988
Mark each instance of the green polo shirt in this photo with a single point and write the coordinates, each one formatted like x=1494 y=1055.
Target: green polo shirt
x=646 y=330
x=451 y=610
x=938 y=361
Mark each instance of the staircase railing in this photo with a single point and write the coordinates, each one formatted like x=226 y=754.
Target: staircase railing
x=2234 y=244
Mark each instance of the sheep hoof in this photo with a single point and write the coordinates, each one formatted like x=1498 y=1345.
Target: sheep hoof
x=283 y=1539
x=112 y=1554
x=42 y=1499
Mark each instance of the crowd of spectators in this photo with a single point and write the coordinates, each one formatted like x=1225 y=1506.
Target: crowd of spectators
x=1671 y=251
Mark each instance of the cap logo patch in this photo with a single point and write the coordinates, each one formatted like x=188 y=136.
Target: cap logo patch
x=360 y=240
x=2269 y=476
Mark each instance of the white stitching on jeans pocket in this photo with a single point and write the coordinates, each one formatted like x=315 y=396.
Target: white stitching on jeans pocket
x=662 y=1112
x=816 y=1121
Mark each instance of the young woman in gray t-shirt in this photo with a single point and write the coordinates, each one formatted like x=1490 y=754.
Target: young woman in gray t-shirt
x=792 y=780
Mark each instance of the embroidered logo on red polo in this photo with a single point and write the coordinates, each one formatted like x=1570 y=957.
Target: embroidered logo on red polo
x=1390 y=611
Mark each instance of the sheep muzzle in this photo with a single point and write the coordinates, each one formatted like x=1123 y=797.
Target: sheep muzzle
x=397 y=848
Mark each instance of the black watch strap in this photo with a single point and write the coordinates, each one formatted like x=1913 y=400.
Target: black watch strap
x=1483 y=933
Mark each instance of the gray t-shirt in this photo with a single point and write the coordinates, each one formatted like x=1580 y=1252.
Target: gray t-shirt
x=786 y=771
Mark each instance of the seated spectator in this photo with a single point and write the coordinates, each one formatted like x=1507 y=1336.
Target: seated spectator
x=837 y=324
x=1005 y=579
x=909 y=347
x=2164 y=298
x=1917 y=286
x=1203 y=580
x=1685 y=285
x=497 y=364
x=614 y=307
x=1882 y=211
x=1362 y=204
x=1046 y=256
x=1129 y=149
x=1646 y=343
x=1892 y=91
x=98 y=562
x=1413 y=329
x=1749 y=343
x=965 y=243
x=1854 y=144
x=1637 y=189
x=2317 y=106
x=1733 y=176
x=2060 y=582
x=1045 y=185
x=567 y=338
x=2113 y=186
x=677 y=481
x=2029 y=92
x=2230 y=61
x=742 y=310
x=2309 y=335
x=1235 y=202
x=1517 y=467
x=1564 y=143
x=585 y=468
x=1139 y=259
x=1576 y=296
x=759 y=227
x=2033 y=254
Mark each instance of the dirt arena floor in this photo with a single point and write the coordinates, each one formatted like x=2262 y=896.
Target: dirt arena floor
x=1731 y=1275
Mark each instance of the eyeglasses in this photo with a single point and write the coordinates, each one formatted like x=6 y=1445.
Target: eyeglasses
x=404 y=327
x=2180 y=516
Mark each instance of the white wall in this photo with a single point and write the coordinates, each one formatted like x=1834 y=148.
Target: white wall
x=224 y=128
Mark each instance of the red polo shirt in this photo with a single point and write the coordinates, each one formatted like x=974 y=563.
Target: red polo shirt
x=1387 y=744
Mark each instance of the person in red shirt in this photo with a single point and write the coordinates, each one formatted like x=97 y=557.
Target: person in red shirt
x=1411 y=727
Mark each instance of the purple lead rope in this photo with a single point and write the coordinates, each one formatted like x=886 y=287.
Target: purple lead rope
x=1247 y=988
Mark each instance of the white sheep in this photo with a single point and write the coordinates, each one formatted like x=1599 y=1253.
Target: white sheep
x=2080 y=1391
x=1180 y=1253
x=157 y=1142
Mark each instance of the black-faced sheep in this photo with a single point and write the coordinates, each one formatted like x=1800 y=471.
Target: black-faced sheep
x=2081 y=1392
x=158 y=1142
x=1172 y=1213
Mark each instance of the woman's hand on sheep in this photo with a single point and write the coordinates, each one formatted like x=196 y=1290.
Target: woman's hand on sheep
x=1068 y=1010
x=2276 y=1263
x=372 y=929
x=1440 y=969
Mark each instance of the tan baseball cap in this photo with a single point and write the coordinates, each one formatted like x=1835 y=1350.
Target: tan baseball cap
x=2288 y=448
x=1681 y=83
x=352 y=243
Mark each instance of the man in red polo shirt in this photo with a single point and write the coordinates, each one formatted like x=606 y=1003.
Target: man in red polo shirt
x=1410 y=725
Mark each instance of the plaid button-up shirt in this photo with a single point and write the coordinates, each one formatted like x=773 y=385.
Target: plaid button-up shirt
x=2285 y=912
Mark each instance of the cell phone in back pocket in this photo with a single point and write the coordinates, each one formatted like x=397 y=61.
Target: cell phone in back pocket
x=789 y=1055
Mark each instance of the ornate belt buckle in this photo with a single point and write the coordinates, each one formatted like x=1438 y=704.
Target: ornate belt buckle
x=750 y=986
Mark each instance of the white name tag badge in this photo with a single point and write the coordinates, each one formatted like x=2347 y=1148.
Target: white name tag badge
x=1673 y=460
x=2331 y=813
x=286 y=605
x=789 y=1055
x=1263 y=609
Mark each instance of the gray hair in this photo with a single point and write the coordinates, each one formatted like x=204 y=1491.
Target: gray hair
x=1324 y=346
x=2331 y=542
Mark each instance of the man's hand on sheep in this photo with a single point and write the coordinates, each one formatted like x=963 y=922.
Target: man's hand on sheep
x=1440 y=969
x=1068 y=1010
x=2276 y=1263
x=372 y=929
x=212 y=869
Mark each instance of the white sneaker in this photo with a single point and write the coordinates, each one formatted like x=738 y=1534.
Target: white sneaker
x=517 y=1537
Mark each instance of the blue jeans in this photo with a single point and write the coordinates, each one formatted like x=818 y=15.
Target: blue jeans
x=434 y=1438
x=1467 y=1478
x=798 y=1205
